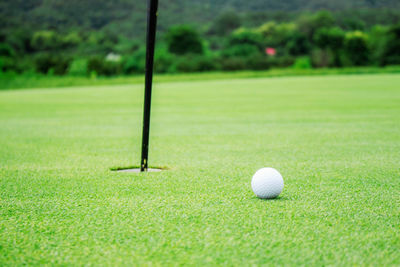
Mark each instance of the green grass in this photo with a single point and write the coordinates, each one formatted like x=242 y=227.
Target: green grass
x=335 y=139
x=14 y=81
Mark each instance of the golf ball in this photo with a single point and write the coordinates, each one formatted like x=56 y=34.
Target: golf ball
x=267 y=183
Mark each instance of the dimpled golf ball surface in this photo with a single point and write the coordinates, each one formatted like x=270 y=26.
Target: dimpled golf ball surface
x=267 y=183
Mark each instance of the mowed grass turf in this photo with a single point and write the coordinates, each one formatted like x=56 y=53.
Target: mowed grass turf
x=335 y=139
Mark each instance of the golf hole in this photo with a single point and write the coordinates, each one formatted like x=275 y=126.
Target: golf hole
x=136 y=169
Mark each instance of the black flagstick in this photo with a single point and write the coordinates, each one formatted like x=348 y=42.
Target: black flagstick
x=151 y=40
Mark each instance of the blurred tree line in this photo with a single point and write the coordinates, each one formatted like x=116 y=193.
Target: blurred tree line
x=231 y=41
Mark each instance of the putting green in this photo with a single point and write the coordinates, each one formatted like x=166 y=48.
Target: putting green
x=335 y=139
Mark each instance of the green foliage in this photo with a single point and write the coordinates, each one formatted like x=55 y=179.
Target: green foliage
x=226 y=23
x=356 y=48
x=241 y=50
x=302 y=63
x=6 y=50
x=164 y=62
x=258 y=62
x=102 y=42
x=19 y=39
x=245 y=37
x=329 y=43
x=352 y=23
x=184 y=40
x=52 y=63
x=252 y=62
x=391 y=50
x=46 y=40
x=78 y=67
x=283 y=61
x=135 y=62
x=277 y=35
x=298 y=44
x=378 y=40
x=128 y=18
x=322 y=58
x=103 y=67
x=268 y=29
x=71 y=40
x=127 y=46
x=309 y=24
x=329 y=38
x=51 y=41
x=244 y=51
x=323 y=19
x=195 y=63
x=233 y=64
x=6 y=64
x=8 y=60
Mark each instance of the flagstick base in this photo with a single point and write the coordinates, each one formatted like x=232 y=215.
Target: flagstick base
x=137 y=170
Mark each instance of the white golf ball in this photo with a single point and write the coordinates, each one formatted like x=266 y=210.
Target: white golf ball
x=267 y=183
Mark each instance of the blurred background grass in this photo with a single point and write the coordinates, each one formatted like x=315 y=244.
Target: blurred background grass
x=15 y=81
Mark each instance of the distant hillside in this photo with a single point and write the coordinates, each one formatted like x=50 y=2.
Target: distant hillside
x=128 y=16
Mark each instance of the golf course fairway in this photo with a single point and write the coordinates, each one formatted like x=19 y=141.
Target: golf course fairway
x=334 y=139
